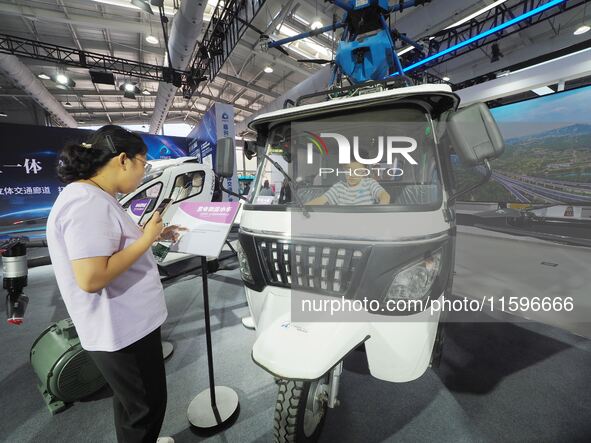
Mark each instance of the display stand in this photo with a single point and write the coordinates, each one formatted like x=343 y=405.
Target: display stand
x=216 y=405
x=248 y=322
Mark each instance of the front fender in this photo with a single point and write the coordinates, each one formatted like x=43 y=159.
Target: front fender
x=305 y=351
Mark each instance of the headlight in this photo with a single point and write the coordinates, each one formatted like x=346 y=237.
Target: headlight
x=415 y=281
x=243 y=262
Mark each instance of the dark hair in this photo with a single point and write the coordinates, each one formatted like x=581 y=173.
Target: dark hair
x=78 y=161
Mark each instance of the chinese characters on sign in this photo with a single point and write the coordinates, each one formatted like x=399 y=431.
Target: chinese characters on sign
x=32 y=166
x=27 y=190
x=213 y=209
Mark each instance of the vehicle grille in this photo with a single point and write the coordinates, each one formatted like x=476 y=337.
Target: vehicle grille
x=329 y=269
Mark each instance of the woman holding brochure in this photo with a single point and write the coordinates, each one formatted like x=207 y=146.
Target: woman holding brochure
x=108 y=277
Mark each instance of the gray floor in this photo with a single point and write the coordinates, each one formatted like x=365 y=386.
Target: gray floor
x=498 y=382
x=492 y=264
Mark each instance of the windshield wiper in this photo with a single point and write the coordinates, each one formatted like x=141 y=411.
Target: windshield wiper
x=291 y=184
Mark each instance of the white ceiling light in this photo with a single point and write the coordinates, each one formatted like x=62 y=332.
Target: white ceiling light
x=405 y=50
x=268 y=69
x=146 y=92
x=152 y=40
x=581 y=30
x=129 y=87
x=476 y=14
x=544 y=90
x=316 y=24
x=61 y=79
x=445 y=79
x=3 y=114
x=44 y=76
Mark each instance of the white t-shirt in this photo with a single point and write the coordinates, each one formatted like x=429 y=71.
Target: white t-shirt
x=87 y=222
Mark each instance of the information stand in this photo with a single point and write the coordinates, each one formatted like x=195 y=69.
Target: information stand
x=207 y=227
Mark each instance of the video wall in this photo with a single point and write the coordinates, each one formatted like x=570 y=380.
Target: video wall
x=547 y=157
x=28 y=181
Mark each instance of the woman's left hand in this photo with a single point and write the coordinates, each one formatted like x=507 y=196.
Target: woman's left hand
x=172 y=233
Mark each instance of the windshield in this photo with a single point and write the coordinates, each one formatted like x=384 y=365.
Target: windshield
x=370 y=159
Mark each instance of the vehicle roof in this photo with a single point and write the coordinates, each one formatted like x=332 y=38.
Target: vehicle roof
x=172 y=162
x=360 y=100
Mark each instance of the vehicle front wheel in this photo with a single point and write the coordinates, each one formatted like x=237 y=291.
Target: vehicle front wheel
x=300 y=410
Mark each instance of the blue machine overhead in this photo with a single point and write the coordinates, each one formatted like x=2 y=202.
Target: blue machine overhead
x=368 y=58
x=367 y=50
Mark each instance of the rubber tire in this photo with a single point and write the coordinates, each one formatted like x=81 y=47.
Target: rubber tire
x=288 y=424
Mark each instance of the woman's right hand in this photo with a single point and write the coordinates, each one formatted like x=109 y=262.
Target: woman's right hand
x=153 y=228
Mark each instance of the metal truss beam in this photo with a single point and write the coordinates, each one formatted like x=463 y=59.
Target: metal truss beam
x=65 y=56
x=228 y=24
x=443 y=40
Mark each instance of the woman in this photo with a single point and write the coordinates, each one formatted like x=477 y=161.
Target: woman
x=108 y=277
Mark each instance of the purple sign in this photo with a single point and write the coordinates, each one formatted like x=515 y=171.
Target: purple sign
x=215 y=212
x=139 y=206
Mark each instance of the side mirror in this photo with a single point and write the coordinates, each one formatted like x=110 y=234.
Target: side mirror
x=224 y=158
x=250 y=149
x=475 y=135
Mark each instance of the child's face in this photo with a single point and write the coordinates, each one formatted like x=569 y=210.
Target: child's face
x=353 y=180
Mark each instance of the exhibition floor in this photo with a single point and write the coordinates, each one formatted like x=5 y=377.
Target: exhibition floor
x=497 y=381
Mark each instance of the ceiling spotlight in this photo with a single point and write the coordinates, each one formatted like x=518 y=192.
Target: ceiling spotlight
x=268 y=69
x=3 y=114
x=129 y=89
x=44 y=76
x=146 y=92
x=152 y=40
x=582 y=29
x=316 y=24
x=445 y=79
x=144 y=113
x=81 y=122
x=61 y=79
x=68 y=105
x=143 y=5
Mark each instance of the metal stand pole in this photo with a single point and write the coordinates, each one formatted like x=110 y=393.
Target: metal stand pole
x=217 y=404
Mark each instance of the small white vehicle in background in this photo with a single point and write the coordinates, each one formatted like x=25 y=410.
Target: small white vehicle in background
x=181 y=179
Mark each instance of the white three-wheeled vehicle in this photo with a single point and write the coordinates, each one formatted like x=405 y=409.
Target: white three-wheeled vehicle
x=399 y=250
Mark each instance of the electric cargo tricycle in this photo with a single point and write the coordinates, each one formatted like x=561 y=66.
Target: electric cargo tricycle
x=319 y=242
